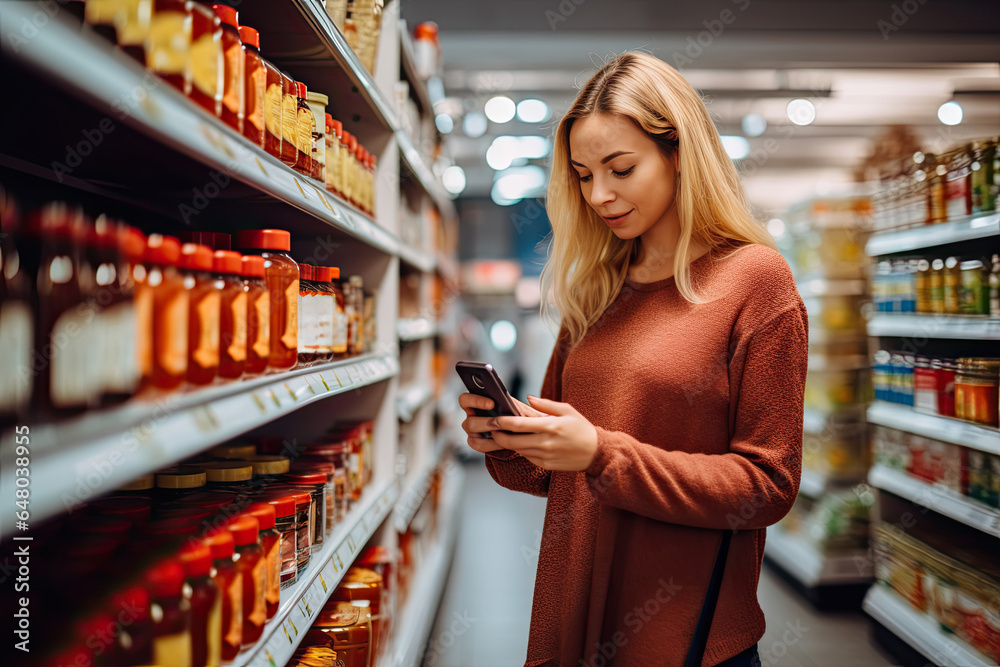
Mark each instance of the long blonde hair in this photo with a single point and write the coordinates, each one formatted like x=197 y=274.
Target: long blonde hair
x=587 y=264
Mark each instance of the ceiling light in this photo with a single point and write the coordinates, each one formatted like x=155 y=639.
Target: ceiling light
x=776 y=227
x=444 y=123
x=500 y=109
x=475 y=124
x=533 y=111
x=801 y=112
x=505 y=149
x=737 y=148
x=950 y=113
x=754 y=125
x=503 y=335
x=520 y=182
x=453 y=179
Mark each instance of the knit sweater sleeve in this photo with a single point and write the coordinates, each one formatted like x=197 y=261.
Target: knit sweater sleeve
x=510 y=469
x=751 y=486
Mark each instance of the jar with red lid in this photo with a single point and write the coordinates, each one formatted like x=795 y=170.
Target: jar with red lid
x=168 y=45
x=334 y=131
x=305 y=127
x=289 y=120
x=254 y=86
x=228 y=267
x=203 y=314
x=307 y=464
x=170 y=312
x=205 y=68
x=206 y=604
x=232 y=67
x=137 y=625
x=282 y=275
x=99 y=629
x=270 y=544
x=285 y=515
x=267 y=469
x=315 y=484
x=349 y=630
x=338 y=455
x=136 y=510
x=171 y=613
x=250 y=563
x=303 y=522
x=228 y=580
x=258 y=315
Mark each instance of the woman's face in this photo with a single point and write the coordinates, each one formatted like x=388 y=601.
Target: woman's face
x=624 y=176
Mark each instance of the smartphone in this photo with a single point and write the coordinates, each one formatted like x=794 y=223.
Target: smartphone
x=482 y=379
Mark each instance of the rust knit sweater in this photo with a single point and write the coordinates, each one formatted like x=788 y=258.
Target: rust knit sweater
x=698 y=409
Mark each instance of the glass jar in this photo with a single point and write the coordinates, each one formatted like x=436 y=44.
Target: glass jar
x=937 y=286
x=133 y=244
x=285 y=509
x=289 y=121
x=205 y=66
x=228 y=267
x=315 y=484
x=935 y=170
x=308 y=316
x=312 y=465
x=203 y=314
x=170 y=312
x=982 y=178
x=258 y=315
x=282 y=275
x=957 y=194
x=231 y=475
x=317 y=105
x=270 y=544
x=137 y=638
x=338 y=455
x=305 y=128
x=349 y=631
x=334 y=134
x=250 y=563
x=267 y=468
x=168 y=45
x=254 y=86
x=206 y=604
x=951 y=285
x=976 y=390
x=362 y=587
x=348 y=144
x=358 y=294
x=975 y=294
x=177 y=482
x=171 y=614
x=273 y=120
x=228 y=580
x=339 y=343
x=233 y=59
x=326 y=312
x=944 y=376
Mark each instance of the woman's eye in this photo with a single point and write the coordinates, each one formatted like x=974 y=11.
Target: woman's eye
x=623 y=174
x=585 y=179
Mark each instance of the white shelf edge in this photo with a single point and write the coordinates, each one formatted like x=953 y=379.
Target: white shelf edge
x=419 y=614
x=919 y=630
x=415 y=328
x=79 y=459
x=914 y=325
x=928 y=236
x=936 y=497
x=410 y=400
x=302 y=602
x=815 y=287
x=424 y=175
x=413 y=496
x=903 y=418
x=811 y=568
x=419 y=260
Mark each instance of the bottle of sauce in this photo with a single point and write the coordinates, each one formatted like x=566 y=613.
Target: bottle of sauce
x=233 y=59
x=308 y=316
x=317 y=105
x=171 y=614
x=327 y=309
x=270 y=544
x=229 y=582
x=258 y=315
x=17 y=307
x=250 y=562
x=348 y=144
x=289 y=121
x=339 y=342
x=205 y=66
x=334 y=133
x=170 y=312
x=305 y=124
x=254 y=87
x=273 y=116
x=282 y=276
x=203 y=314
x=228 y=266
x=206 y=604
x=168 y=46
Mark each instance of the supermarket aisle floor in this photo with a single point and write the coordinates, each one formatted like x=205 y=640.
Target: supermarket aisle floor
x=484 y=614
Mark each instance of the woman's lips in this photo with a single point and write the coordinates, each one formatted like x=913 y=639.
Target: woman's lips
x=617 y=220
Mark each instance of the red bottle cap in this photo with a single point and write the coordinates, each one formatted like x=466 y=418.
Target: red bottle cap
x=132 y=509
x=282 y=502
x=298 y=496
x=134 y=597
x=196 y=557
x=303 y=478
x=253 y=266
x=250 y=36
x=300 y=90
x=351 y=141
x=305 y=272
x=334 y=272
x=162 y=250
x=103 y=233
x=264 y=513
x=131 y=243
x=166 y=579
x=264 y=239
x=337 y=126
x=196 y=257
x=228 y=15
x=329 y=124
x=220 y=542
x=426 y=30
x=245 y=529
x=228 y=262
x=312 y=467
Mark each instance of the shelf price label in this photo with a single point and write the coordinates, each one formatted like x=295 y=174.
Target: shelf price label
x=350 y=543
x=284 y=626
x=322 y=582
x=205 y=419
x=270 y=658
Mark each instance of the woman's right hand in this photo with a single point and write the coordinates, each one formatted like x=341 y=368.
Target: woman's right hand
x=474 y=424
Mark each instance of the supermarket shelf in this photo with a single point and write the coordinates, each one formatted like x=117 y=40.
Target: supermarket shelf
x=812 y=484
x=416 y=328
x=936 y=497
x=84 y=457
x=425 y=177
x=419 y=260
x=414 y=494
x=809 y=567
x=409 y=61
x=818 y=422
x=826 y=362
x=957 y=432
x=935 y=326
x=928 y=236
x=417 y=618
x=302 y=602
x=919 y=630
x=409 y=400
x=207 y=152
x=812 y=287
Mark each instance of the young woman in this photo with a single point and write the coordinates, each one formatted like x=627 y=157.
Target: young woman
x=669 y=431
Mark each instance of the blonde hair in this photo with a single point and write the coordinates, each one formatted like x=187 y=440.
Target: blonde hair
x=587 y=264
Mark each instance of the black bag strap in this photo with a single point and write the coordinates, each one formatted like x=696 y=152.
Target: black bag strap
x=696 y=651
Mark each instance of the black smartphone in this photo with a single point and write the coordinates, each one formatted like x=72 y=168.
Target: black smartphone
x=482 y=379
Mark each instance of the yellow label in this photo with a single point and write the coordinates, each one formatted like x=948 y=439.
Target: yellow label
x=206 y=64
x=169 y=42
x=262 y=346
x=272 y=592
x=256 y=85
x=233 y=77
x=143 y=299
x=259 y=612
x=290 y=338
x=173 y=351
x=234 y=635
x=306 y=126
x=289 y=118
x=100 y=12
x=206 y=354
x=237 y=350
x=173 y=650
x=132 y=22
x=213 y=628
x=272 y=109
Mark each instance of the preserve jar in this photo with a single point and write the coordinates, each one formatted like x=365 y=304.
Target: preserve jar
x=270 y=544
x=231 y=475
x=205 y=66
x=206 y=604
x=233 y=59
x=326 y=313
x=203 y=314
x=250 y=563
x=273 y=116
x=284 y=503
x=337 y=454
x=975 y=294
x=289 y=120
x=308 y=316
x=229 y=581
x=328 y=470
x=317 y=105
x=303 y=522
x=348 y=146
x=282 y=276
x=339 y=343
x=334 y=132
x=254 y=87
x=349 y=630
x=228 y=267
x=315 y=485
x=133 y=244
x=976 y=390
x=170 y=312
x=951 y=285
x=238 y=451
x=258 y=315
x=305 y=128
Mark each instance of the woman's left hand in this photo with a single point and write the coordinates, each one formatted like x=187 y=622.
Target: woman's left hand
x=559 y=439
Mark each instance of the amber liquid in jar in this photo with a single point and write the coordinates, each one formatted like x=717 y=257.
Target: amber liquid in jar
x=205 y=63
x=206 y=621
x=270 y=543
x=305 y=126
x=170 y=320
x=282 y=276
x=229 y=581
x=289 y=121
x=258 y=316
x=203 y=326
x=272 y=109
x=233 y=315
x=169 y=45
x=233 y=78
x=254 y=87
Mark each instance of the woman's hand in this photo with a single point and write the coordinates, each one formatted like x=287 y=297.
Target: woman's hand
x=553 y=435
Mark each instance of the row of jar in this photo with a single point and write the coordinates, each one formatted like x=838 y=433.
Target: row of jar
x=945 y=285
x=208 y=56
x=930 y=188
x=966 y=388
x=360 y=21
x=213 y=542
x=94 y=312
